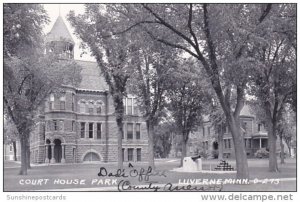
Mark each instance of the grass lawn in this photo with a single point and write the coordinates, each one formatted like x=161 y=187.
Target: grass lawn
x=88 y=172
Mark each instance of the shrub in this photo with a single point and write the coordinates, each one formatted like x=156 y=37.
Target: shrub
x=261 y=153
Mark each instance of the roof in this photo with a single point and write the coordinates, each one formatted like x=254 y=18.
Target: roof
x=59 y=32
x=91 y=77
x=246 y=111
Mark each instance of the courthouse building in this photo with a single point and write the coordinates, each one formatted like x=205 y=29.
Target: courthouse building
x=79 y=124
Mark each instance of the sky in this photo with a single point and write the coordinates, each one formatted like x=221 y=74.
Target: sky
x=53 y=11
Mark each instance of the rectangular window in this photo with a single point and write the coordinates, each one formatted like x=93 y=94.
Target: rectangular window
x=123 y=131
x=129 y=106
x=61 y=125
x=10 y=148
x=258 y=127
x=208 y=130
x=51 y=105
x=73 y=102
x=135 y=106
x=73 y=126
x=130 y=154
x=82 y=129
x=203 y=131
x=138 y=131
x=129 y=130
x=98 y=130
x=55 y=126
x=138 y=154
x=225 y=144
x=62 y=105
x=123 y=154
x=229 y=143
x=91 y=131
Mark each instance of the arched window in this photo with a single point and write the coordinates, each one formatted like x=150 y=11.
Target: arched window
x=51 y=102
x=62 y=100
x=91 y=107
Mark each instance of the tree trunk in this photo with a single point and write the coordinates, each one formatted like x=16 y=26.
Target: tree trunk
x=273 y=166
x=28 y=153
x=15 y=150
x=120 y=134
x=239 y=148
x=281 y=150
x=220 y=144
x=184 y=151
x=150 y=130
x=23 y=170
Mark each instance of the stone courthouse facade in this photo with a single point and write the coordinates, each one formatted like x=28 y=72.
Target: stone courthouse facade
x=79 y=125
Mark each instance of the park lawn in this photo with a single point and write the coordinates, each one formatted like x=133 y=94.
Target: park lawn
x=88 y=172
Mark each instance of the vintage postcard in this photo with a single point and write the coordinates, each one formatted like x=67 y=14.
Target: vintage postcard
x=150 y=97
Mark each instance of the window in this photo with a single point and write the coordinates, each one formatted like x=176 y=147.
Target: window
x=244 y=127
x=123 y=154
x=51 y=102
x=138 y=131
x=259 y=127
x=10 y=148
x=129 y=106
x=91 y=131
x=62 y=103
x=82 y=107
x=73 y=102
x=82 y=129
x=123 y=131
x=135 y=107
x=208 y=130
x=98 y=110
x=91 y=108
x=98 y=130
x=55 y=126
x=61 y=125
x=73 y=125
x=203 y=131
x=130 y=154
x=129 y=130
x=138 y=154
x=229 y=143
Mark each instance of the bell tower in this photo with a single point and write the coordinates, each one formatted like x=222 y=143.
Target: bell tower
x=59 y=40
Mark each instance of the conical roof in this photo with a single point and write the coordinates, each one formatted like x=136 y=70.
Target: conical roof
x=59 y=32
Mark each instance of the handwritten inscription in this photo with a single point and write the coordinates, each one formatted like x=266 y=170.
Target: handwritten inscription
x=142 y=174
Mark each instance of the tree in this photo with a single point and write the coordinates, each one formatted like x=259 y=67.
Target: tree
x=274 y=80
x=188 y=99
x=29 y=76
x=10 y=136
x=218 y=121
x=286 y=130
x=150 y=82
x=113 y=54
x=206 y=33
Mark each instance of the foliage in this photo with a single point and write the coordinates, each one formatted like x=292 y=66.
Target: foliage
x=261 y=153
x=29 y=75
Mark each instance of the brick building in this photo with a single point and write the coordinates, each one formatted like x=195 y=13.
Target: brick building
x=205 y=138
x=79 y=124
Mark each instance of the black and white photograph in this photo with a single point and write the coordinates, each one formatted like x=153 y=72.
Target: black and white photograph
x=150 y=97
